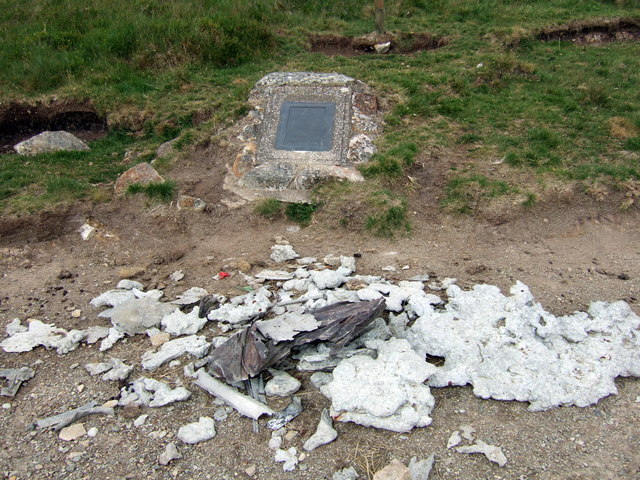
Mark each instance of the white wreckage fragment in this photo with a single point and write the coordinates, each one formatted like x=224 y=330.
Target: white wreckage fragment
x=243 y=308
x=114 y=369
x=149 y=392
x=196 y=432
x=246 y=406
x=325 y=433
x=177 y=323
x=138 y=314
x=493 y=453
x=39 y=333
x=190 y=296
x=283 y=253
x=287 y=326
x=386 y=392
x=510 y=348
x=193 y=344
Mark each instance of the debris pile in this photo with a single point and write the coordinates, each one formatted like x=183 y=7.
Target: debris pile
x=366 y=341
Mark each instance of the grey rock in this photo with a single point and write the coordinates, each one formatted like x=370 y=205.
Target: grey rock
x=346 y=474
x=169 y=454
x=200 y=431
x=47 y=142
x=421 y=469
x=281 y=385
x=129 y=285
x=361 y=149
x=272 y=177
x=304 y=78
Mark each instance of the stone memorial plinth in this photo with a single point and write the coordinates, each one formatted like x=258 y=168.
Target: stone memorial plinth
x=303 y=128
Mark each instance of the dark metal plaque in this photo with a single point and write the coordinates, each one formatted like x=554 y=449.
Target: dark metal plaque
x=306 y=126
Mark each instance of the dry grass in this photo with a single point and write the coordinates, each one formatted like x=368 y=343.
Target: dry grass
x=622 y=128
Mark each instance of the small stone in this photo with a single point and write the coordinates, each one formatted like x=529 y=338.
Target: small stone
x=159 y=339
x=72 y=432
x=396 y=470
x=110 y=404
x=138 y=422
x=92 y=432
x=142 y=173
x=381 y=48
x=87 y=231
x=346 y=474
x=290 y=435
x=170 y=453
x=251 y=470
x=454 y=439
x=177 y=276
x=281 y=385
x=6 y=406
x=186 y=202
x=77 y=313
x=80 y=388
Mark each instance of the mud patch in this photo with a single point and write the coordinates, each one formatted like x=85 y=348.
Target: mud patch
x=40 y=227
x=594 y=33
x=19 y=121
x=401 y=43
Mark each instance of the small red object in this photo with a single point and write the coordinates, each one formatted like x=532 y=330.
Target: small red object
x=223 y=275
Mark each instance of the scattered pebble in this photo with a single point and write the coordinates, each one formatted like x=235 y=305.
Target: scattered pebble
x=6 y=406
x=170 y=453
x=138 y=422
x=92 y=432
x=72 y=432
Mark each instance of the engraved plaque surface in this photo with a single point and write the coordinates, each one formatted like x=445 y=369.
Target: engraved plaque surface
x=306 y=126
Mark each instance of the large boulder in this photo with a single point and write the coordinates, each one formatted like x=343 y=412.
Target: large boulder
x=47 y=142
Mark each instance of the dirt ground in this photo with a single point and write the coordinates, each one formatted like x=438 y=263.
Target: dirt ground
x=569 y=252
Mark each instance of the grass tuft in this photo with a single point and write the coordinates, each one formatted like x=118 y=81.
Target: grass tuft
x=163 y=191
x=300 y=213
x=270 y=208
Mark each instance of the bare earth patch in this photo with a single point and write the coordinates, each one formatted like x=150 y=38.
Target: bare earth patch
x=570 y=252
x=400 y=43
x=594 y=32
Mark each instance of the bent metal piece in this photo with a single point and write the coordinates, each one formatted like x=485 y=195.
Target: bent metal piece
x=248 y=352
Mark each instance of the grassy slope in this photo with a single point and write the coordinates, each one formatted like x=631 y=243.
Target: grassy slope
x=546 y=108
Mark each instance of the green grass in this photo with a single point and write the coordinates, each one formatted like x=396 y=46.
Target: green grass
x=48 y=179
x=154 y=67
x=390 y=217
x=162 y=191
